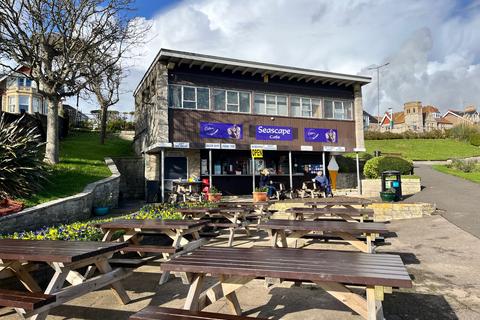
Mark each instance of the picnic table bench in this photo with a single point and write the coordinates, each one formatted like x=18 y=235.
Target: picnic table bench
x=175 y=229
x=237 y=217
x=347 y=231
x=347 y=214
x=66 y=258
x=333 y=271
x=162 y=313
x=24 y=300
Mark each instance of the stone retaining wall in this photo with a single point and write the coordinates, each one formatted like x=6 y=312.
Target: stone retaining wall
x=372 y=187
x=382 y=211
x=65 y=210
x=132 y=178
x=346 y=180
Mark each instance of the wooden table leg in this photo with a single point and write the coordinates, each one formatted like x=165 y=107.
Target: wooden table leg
x=283 y=238
x=24 y=276
x=273 y=237
x=117 y=287
x=344 y=295
x=193 y=295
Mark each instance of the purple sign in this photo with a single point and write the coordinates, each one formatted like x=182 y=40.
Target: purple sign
x=321 y=135
x=273 y=133
x=221 y=130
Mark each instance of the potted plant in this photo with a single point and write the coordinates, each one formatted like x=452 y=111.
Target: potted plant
x=214 y=194
x=388 y=196
x=103 y=206
x=260 y=194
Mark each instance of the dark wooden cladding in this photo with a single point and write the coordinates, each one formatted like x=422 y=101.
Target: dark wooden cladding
x=185 y=127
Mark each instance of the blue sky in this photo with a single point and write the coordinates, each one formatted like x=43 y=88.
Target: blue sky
x=433 y=47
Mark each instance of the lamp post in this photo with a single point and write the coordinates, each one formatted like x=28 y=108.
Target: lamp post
x=378 y=89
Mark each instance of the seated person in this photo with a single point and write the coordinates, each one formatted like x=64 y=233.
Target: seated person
x=321 y=181
x=266 y=182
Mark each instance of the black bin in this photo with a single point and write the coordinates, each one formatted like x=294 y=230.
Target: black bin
x=392 y=180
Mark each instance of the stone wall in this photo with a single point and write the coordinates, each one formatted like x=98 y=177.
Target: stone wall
x=382 y=211
x=132 y=179
x=395 y=211
x=372 y=187
x=65 y=210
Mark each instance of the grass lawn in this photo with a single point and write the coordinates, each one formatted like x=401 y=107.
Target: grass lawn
x=472 y=176
x=424 y=149
x=81 y=162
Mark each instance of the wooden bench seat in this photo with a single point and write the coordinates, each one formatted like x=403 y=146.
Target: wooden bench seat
x=159 y=313
x=223 y=225
x=150 y=249
x=129 y=263
x=25 y=300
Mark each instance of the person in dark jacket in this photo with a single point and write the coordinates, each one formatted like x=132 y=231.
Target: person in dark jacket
x=266 y=182
x=322 y=183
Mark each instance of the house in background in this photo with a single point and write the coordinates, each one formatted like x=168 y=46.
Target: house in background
x=468 y=116
x=19 y=94
x=75 y=116
x=369 y=122
x=414 y=117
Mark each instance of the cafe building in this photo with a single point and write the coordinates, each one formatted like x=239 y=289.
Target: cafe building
x=202 y=116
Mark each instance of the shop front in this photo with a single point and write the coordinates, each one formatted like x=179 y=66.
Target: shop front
x=210 y=118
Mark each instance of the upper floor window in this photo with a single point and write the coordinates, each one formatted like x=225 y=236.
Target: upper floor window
x=229 y=100
x=336 y=109
x=36 y=105
x=305 y=107
x=24 y=82
x=188 y=97
x=270 y=104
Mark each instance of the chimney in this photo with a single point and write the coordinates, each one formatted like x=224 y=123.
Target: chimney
x=470 y=109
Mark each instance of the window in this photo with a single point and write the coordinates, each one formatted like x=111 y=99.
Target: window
x=36 y=105
x=305 y=107
x=12 y=105
x=45 y=106
x=188 y=97
x=270 y=104
x=23 y=103
x=342 y=110
x=233 y=101
x=24 y=82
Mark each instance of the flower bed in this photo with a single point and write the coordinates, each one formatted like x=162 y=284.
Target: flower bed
x=87 y=231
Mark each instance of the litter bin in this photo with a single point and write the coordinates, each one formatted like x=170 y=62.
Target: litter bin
x=391 y=180
x=377 y=153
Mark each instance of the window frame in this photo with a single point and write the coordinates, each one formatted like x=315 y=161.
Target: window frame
x=344 y=112
x=182 y=95
x=276 y=95
x=12 y=107
x=225 y=96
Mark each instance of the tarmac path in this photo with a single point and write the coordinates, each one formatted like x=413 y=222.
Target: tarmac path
x=459 y=199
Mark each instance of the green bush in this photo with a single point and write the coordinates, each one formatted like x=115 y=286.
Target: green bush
x=375 y=166
x=387 y=135
x=462 y=132
x=475 y=139
x=22 y=170
x=464 y=166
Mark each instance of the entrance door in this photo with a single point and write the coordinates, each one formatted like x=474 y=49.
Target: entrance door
x=175 y=168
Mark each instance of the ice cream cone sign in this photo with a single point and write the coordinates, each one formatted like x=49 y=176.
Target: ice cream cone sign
x=333 y=171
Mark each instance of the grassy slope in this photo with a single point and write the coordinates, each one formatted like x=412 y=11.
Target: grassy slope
x=424 y=149
x=81 y=162
x=472 y=176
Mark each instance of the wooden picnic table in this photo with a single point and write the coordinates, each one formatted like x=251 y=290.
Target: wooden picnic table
x=65 y=257
x=331 y=270
x=175 y=229
x=347 y=214
x=237 y=217
x=347 y=231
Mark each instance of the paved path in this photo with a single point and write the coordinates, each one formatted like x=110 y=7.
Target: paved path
x=459 y=198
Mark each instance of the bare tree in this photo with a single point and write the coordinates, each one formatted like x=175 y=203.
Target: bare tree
x=105 y=88
x=55 y=39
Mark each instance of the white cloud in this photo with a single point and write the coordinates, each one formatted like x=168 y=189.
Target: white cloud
x=433 y=46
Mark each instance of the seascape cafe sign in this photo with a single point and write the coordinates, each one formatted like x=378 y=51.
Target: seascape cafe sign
x=274 y=133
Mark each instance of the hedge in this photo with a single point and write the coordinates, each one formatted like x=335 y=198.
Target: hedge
x=375 y=166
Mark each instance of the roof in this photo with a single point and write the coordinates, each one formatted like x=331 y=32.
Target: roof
x=430 y=109
x=398 y=117
x=371 y=118
x=443 y=120
x=244 y=66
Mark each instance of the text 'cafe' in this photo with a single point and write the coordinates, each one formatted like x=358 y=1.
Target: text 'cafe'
x=201 y=116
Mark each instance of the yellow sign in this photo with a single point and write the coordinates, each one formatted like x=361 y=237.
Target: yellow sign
x=257 y=153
